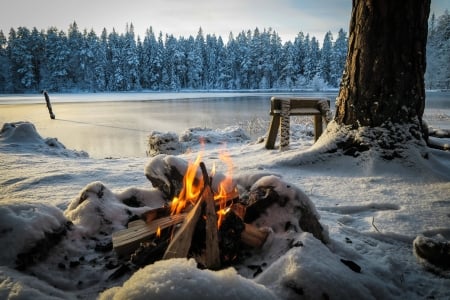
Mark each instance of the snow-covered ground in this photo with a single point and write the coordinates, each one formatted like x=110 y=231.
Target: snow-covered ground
x=372 y=208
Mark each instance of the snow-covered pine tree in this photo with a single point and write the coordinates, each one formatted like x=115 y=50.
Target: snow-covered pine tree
x=326 y=58
x=149 y=73
x=57 y=53
x=437 y=75
x=5 y=65
x=312 y=58
x=287 y=61
x=131 y=60
x=339 y=55
x=21 y=56
x=76 y=64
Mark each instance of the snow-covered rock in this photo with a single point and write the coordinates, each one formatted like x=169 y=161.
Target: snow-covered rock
x=22 y=136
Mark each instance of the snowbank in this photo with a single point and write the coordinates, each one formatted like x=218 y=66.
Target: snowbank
x=171 y=143
x=23 y=136
x=23 y=226
x=181 y=279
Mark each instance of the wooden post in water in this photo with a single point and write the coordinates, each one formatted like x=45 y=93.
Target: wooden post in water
x=49 y=105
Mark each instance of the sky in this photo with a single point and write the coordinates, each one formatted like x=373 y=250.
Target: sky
x=184 y=18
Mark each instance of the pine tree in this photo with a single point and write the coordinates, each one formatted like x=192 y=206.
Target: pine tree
x=105 y=63
x=326 y=58
x=5 y=66
x=230 y=71
x=288 y=72
x=131 y=60
x=437 y=75
x=300 y=52
x=57 y=52
x=339 y=55
x=244 y=61
x=312 y=59
x=21 y=59
x=76 y=64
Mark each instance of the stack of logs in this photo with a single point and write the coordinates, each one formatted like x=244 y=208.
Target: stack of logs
x=194 y=233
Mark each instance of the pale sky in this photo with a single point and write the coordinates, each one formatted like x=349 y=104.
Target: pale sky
x=185 y=17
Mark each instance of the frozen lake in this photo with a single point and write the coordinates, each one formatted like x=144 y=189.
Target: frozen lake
x=117 y=124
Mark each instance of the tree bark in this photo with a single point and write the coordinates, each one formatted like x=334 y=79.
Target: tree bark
x=383 y=78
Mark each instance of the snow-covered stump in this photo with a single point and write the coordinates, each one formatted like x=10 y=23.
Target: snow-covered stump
x=166 y=172
x=163 y=143
x=285 y=124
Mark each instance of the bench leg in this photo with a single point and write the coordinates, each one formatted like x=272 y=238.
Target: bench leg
x=273 y=130
x=318 y=127
x=285 y=124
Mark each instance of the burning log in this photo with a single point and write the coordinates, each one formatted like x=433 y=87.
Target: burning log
x=212 y=254
x=126 y=241
x=181 y=243
x=253 y=236
x=155 y=214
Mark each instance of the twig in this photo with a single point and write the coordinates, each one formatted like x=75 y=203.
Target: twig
x=373 y=224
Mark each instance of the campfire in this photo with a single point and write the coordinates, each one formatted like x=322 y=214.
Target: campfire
x=206 y=217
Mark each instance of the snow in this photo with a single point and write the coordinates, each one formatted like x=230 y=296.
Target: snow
x=371 y=208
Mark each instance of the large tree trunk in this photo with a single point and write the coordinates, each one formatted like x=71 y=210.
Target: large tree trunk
x=384 y=72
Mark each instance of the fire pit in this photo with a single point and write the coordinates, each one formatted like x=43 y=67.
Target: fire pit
x=216 y=218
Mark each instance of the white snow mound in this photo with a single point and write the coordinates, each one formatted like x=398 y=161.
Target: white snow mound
x=25 y=135
x=181 y=279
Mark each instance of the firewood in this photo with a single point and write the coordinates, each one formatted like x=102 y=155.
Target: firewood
x=230 y=238
x=253 y=236
x=156 y=213
x=212 y=253
x=239 y=209
x=180 y=244
x=149 y=252
x=126 y=241
x=136 y=223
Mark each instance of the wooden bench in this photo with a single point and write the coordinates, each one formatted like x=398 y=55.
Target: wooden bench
x=281 y=108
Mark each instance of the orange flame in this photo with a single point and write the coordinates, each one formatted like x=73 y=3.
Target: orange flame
x=226 y=187
x=192 y=187
x=191 y=190
x=158 y=232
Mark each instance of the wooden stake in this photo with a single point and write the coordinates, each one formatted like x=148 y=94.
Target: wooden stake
x=49 y=104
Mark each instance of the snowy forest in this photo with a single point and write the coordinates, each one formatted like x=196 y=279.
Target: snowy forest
x=31 y=60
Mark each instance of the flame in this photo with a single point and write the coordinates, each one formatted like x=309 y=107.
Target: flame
x=191 y=190
x=158 y=232
x=192 y=187
x=226 y=187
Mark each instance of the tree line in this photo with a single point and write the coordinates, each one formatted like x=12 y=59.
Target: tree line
x=31 y=60
x=437 y=75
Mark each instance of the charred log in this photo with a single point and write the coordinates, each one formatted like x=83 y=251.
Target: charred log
x=230 y=238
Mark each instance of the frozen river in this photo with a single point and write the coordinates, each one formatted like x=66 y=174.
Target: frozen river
x=118 y=124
